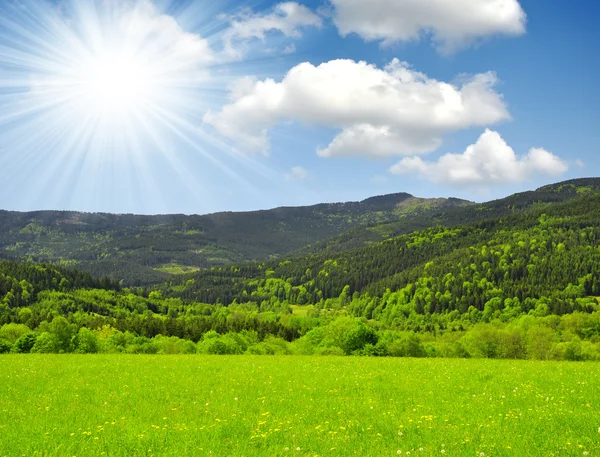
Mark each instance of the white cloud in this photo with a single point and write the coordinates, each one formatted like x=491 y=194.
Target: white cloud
x=487 y=162
x=580 y=163
x=452 y=24
x=381 y=112
x=291 y=49
x=145 y=26
x=287 y=18
x=297 y=174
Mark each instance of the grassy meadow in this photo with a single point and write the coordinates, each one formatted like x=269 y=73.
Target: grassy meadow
x=136 y=405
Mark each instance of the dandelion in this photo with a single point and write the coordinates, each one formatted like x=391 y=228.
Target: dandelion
x=443 y=451
x=298 y=448
x=585 y=452
x=398 y=452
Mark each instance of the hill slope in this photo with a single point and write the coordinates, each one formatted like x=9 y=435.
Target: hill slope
x=149 y=249
x=365 y=235
x=522 y=285
x=546 y=255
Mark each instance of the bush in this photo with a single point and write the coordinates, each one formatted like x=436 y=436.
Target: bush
x=408 y=346
x=358 y=337
x=212 y=343
x=308 y=344
x=333 y=350
x=484 y=341
x=188 y=347
x=5 y=346
x=86 y=341
x=270 y=346
x=24 y=344
x=46 y=343
x=12 y=332
x=174 y=345
x=64 y=333
x=215 y=346
x=142 y=345
x=539 y=343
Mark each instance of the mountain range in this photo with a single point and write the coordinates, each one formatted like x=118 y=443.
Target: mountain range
x=141 y=250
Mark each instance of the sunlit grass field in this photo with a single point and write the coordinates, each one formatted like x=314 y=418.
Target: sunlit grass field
x=122 y=405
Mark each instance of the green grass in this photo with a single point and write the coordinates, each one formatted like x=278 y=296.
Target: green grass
x=177 y=269
x=117 y=405
x=301 y=311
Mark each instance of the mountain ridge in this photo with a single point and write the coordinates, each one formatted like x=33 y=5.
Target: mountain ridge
x=144 y=250
x=123 y=245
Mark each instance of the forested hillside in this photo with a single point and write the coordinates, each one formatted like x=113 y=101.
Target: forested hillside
x=530 y=255
x=142 y=250
x=365 y=235
x=520 y=283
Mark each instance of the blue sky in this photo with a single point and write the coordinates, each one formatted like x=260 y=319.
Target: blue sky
x=197 y=106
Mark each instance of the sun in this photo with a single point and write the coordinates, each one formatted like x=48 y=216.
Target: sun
x=117 y=83
x=116 y=69
x=98 y=95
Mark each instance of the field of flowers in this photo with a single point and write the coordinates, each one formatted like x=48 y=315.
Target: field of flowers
x=118 y=405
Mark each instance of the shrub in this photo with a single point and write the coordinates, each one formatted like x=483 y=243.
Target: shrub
x=539 y=342
x=270 y=346
x=333 y=350
x=5 y=346
x=46 y=343
x=25 y=343
x=358 y=337
x=86 y=341
x=12 y=332
x=408 y=346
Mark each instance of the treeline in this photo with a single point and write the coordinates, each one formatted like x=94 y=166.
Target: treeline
x=574 y=337
x=21 y=282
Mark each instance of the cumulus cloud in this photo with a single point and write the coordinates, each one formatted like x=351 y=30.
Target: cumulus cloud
x=146 y=27
x=452 y=24
x=489 y=161
x=288 y=18
x=297 y=174
x=380 y=112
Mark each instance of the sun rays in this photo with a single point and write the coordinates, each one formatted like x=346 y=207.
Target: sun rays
x=91 y=92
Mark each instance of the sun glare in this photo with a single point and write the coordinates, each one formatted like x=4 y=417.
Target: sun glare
x=116 y=83
x=106 y=91
x=122 y=69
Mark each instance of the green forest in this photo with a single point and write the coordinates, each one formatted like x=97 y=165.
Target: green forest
x=144 y=250
x=516 y=278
